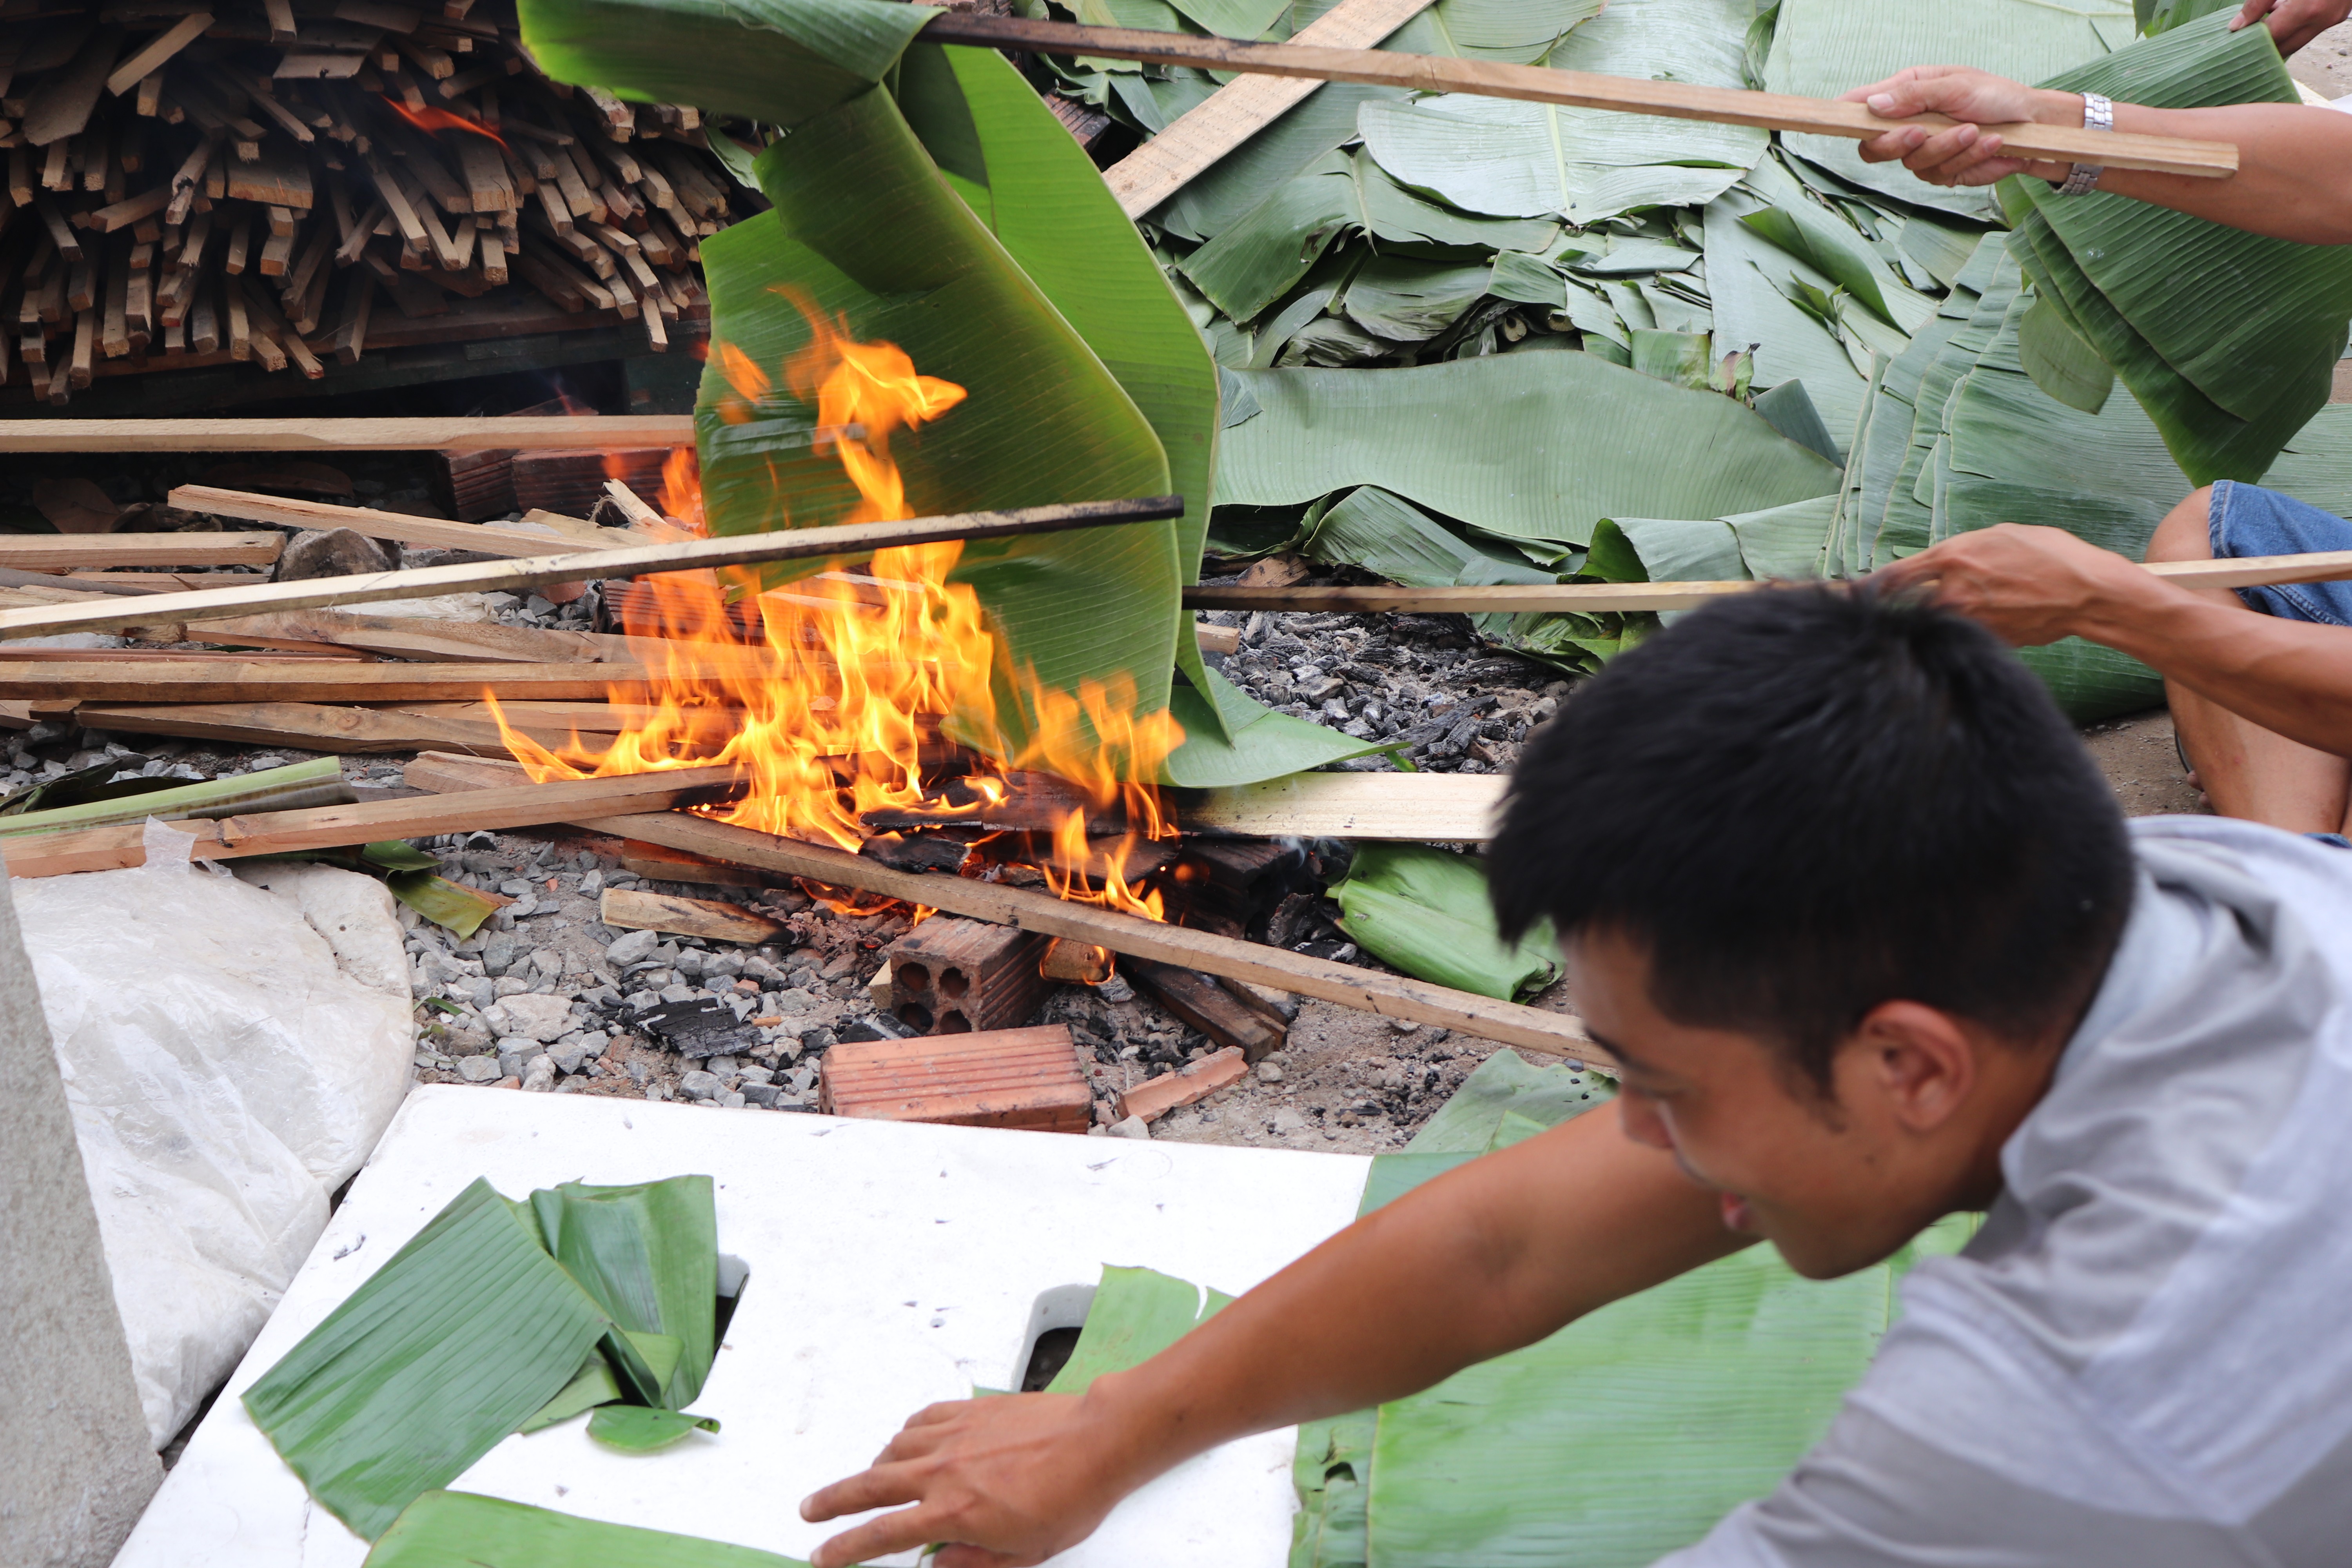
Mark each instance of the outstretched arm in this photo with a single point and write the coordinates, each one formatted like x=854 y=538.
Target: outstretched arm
x=1486 y=1259
x=2291 y=157
x=2033 y=586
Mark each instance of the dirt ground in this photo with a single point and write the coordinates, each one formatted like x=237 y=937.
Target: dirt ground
x=2325 y=64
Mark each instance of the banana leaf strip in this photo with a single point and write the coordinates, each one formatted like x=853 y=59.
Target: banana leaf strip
x=2061 y=362
x=464 y=1334
x=649 y=1254
x=1135 y=1315
x=1484 y=441
x=638 y=1429
x=595 y=1386
x=459 y=1530
x=1426 y=911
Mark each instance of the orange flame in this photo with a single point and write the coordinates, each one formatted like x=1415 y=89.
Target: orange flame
x=837 y=708
x=429 y=120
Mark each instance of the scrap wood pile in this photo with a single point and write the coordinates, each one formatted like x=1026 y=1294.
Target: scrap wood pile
x=287 y=183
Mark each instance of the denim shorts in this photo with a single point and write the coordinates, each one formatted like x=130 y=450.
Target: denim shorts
x=2247 y=520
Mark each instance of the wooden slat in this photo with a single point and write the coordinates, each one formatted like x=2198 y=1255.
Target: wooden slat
x=457 y=433
x=1428 y=808
x=317 y=727
x=427 y=532
x=1391 y=996
x=1241 y=109
x=1576 y=89
x=627 y=908
x=327 y=681
x=845 y=541
x=57 y=552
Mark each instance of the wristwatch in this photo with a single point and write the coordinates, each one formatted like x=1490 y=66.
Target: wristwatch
x=2098 y=114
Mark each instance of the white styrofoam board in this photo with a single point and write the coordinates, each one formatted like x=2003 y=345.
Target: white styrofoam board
x=892 y=1265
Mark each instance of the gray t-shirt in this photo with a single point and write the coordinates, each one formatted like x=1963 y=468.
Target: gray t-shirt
x=2144 y=1360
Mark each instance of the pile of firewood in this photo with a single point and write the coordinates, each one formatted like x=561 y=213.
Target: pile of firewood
x=193 y=182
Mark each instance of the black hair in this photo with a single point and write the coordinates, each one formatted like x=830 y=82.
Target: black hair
x=1804 y=802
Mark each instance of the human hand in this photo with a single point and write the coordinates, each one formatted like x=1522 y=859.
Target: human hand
x=1011 y=1480
x=2293 y=23
x=2028 y=586
x=1961 y=154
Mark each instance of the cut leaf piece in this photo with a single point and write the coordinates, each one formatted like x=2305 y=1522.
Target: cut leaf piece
x=649 y=1257
x=1256 y=742
x=595 y=1386
x=459 y=1530
x=636 y=1429
x=464 y=1334
x=1427 y=911
x=1380 y=532
x=1484 y=441
x=1473 y=1121
x=1136 y=1314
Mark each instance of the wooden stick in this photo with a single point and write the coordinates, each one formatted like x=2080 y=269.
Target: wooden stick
x=1241 y=109
x=626 y=909
x=53 y=552
x=317 y=727
x=1576 y=90
x=1390 y=995
x=419 y=530
x=182 y=33
x=1428 y=808
x=463 y=434
x=327 y=828
x=1587 y=598
x=844 y=541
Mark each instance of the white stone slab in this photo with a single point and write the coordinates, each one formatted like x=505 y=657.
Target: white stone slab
x=891 y=1265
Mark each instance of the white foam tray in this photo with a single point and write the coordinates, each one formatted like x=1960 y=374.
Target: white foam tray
x=891 y=1265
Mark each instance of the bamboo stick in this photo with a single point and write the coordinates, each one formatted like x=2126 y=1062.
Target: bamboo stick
x=1590 y=598
x=296 y=786
x=841 y=541
x=1576 y=90
x=457 y=433
x=1390 y=995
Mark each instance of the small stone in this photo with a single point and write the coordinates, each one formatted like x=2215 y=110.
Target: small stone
x=498 y=953
x=572 y=1057
x=761 y=1094
x=1403 y=1025
x=507 y=985
x=723 y=1065
x=478 y=1069
x=1115 y=989
x=1133 y=1127
x=592 y=884
x=511 y=1063
x=333 y=552
x=539 y=1017
x=627 y=949
x=754 y=1074
x=677 y=993
x=700 y=1085
x=733 y=1101
x=539 y=1074
x=1269 y=1073
x=814 y=1040
x=1286 y=1120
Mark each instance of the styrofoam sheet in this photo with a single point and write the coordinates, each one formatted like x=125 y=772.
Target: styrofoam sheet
x=891 y=1265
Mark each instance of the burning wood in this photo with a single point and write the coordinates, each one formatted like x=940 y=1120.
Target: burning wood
x=195 y=186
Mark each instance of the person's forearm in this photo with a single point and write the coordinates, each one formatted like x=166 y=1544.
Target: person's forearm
x=2292 y=677
x=1482 y=1260
x=2290 y=182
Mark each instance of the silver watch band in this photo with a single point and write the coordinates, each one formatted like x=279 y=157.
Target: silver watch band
x=2098 y=114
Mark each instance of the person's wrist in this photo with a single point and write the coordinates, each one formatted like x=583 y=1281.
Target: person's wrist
x=1134 y=1432
x=2054 y=108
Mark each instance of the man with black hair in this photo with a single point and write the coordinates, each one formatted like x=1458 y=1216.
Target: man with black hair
x=1839 y=888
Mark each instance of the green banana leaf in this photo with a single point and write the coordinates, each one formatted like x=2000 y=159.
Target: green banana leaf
x=459 y=1530
x=2228 y=388
x=1135 y=1315
x=2061 y=362
x=594 y=1384
x=2162 y=16
x=1263 y=744
x=459 y=1339
x=639 y=1429
x=1374 y=530
x=1507 y=1100
x=1824 y=48
x=1410 y=301
x=649 y=1254
x=1744 y=273
x=1522 y=160
x=781 y=61
x=1535 y=445
x=2316 y=465
x=1426 y=911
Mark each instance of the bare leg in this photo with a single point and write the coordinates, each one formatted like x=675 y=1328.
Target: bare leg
x=2246 y=770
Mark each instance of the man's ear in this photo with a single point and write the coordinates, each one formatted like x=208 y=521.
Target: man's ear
x=1917 y=1062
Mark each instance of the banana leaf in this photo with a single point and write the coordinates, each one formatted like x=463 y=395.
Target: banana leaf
x=1511 y=159
x=1426 y=911
x=1743 y=270
x=2162 y=16
x=459 y=1339
x=1535 y=445
x=1376 y=531
x=2316 y=465
x=1135 y=1315
x=1410 y=301
x=1263 y=743
x=459 y=1530
x=2228 y=388
x=1824 y=48
x=649 y=1254
x=594 y=1384
x=1506 y=1097
x=2061 y=362
x=640 y=1429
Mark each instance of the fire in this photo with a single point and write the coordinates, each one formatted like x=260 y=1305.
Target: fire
x=836 y=710
x=429 y=120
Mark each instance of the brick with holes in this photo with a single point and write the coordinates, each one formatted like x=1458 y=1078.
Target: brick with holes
x=949 y=974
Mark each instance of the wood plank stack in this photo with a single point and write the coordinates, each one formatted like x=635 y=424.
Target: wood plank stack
x=194 y=182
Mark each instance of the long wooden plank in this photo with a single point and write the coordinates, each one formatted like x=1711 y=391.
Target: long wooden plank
x=1576 y=89
x=59 y=552
x=846 y=541
x=454 y=433
x=327 y=828
x=320 y=727
x=2253 y=571
x=290 y=681
x=1431 y=807
x=1241 y=109
x=1391 y=996
x=430 y=532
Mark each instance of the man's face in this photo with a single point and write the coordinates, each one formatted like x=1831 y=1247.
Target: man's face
x=1836 y=1184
